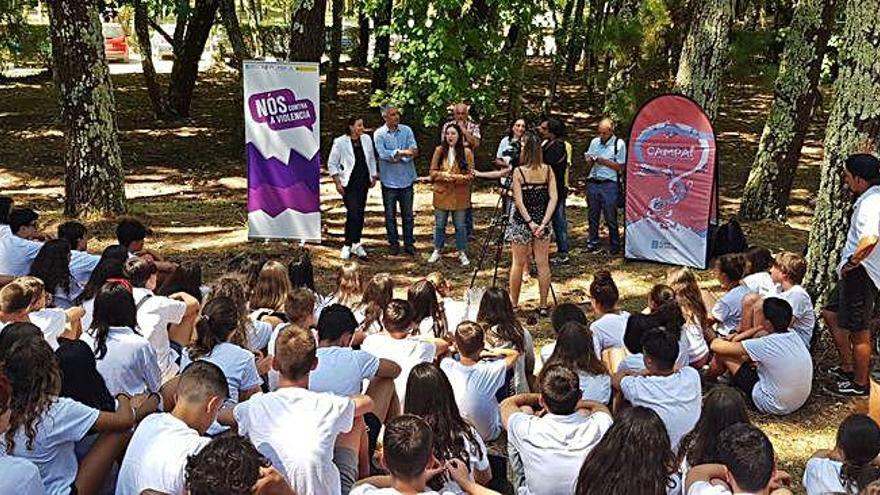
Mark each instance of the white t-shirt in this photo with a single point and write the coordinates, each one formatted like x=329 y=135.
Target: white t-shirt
x=296 y=429
x=156 y=456
x=608 y=331
x=258 y=334
x=520 y=378
x=803 y=318
x=822 y=476
x=17 y=254
x=238 y=366
x=728 y=310
x=547 y=351
x=696 y=342
x=367 y=488
x=864 y=223
x=762 y=284
x=479 y=462
x=153 y=318
x=19 y=476
x=342 y=370
x=553 y=448
x=474 y=388
x=676 y=398
x=129 y=365
x=63 y=299
x=52 y=322
x=64 y=423
x=706 y=488
x=636 y=362
x=785 y=372
x=456 y=312
x=405 y=352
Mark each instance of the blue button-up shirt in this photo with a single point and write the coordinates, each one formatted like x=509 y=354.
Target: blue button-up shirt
x=613 y=149
x=395 y=171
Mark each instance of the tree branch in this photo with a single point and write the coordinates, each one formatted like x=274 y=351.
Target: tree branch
x=163 y=33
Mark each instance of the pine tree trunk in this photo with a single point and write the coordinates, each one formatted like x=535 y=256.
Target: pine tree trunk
x=576 y=41
x=619 y=102
x=769 y=184
x=142 y=32
x=704 y=54
x=229 y=17
x=517 y=39
x=335 y=50
x=854 y=120
x=560 y=38
x=94 y=178
x=307 y=31
x=255 y=25
x=185 y=70
x=382 y=50
x=363 y=47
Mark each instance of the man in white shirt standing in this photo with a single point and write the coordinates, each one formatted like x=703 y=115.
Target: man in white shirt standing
x=156 y=456
x=606 y=157
x=851 y=303
x=554 y=445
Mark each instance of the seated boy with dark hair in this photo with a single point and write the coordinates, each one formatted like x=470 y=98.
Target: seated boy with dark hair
x=231 y=465
x=554 y=445
x=408 y=456
x=747 y=465
x=775 y=371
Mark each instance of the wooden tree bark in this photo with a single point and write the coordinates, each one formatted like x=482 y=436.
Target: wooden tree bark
x=575 y=45
x=382 y=50
x=142 y=32
x=363 y=47
x=254 y=25
x=93 y=166
x=560 y=38
x=335 y=50
x=853 y=121
x=185 y=70
x=229 y=17
x=619 y=104
x=307 y=31
x=769 y=184
x=517 y=38
x=704 y=54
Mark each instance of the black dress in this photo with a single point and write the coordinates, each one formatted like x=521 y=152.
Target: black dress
x=535 y=197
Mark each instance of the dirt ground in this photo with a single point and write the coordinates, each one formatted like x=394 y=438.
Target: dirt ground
x=187 y=180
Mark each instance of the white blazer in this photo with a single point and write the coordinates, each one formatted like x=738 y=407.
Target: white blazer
x=341 y=161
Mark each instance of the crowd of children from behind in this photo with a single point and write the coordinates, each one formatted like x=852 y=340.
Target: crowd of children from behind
x=140 y=379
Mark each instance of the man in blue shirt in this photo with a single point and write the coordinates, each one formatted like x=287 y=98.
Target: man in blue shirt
x=606 y=156
x=397 y=148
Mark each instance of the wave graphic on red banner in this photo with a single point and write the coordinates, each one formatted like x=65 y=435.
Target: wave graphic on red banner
x=275 y=186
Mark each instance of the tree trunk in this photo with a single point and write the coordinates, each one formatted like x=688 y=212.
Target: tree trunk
x=704 y=54
x=619 y=101
x=363 y=47
x=254 y=25
x=94 y=179
x=142 y=32
x=335 y=50
x=517 y=38
x=229 y=17
x=576 y=40
x=183 y=12
x=769 y=184
x=307 y=31
x=185 y=70
x=560 y=38
x=382 y=50
x=854 y=120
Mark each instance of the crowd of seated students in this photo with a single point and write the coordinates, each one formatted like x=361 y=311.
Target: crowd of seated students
x=129 y=375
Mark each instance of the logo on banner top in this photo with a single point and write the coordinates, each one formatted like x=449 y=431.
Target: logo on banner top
x=279 y=109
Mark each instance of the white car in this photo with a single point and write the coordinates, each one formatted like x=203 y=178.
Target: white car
x=162 y=49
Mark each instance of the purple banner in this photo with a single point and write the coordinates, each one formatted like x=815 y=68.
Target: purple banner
x=280 y=110
x=275 y=186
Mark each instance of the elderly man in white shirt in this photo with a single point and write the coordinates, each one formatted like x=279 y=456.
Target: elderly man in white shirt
x=606 y=157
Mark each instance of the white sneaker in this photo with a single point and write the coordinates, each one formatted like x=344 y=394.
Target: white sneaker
x=463 y=259
x=359 y=251
x=435 y=257
x=346 y=252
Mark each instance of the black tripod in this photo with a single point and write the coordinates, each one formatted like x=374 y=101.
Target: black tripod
x=497 y=228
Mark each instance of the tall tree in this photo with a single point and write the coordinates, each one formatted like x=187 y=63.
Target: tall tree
x=229 y=17
x=704 y=53
x=307 y=31
x=142 y=34
x=854 y=120
x=625 y=58
x=769 y=184
x=575 y=46
x=560 y=40
x=382 y=49
x=93 y=166
x=363 y=46
x=189 y=51
x=335 y=50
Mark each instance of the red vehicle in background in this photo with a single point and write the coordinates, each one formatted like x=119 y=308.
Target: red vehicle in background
x=115 y=45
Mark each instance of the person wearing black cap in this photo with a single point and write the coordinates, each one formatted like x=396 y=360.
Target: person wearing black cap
x=851 y=303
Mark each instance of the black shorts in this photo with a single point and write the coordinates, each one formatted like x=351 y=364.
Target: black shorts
x=853 y=300
x=745 y=379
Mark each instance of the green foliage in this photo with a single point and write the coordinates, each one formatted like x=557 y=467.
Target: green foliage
x=22 y=43
x=750 y=54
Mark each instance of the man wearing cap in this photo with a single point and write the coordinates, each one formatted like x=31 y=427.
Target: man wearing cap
x=851 y=303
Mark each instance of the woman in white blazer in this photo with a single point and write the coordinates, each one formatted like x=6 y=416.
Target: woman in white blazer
x=352 y=164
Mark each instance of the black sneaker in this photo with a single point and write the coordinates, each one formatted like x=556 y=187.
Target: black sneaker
x=409 y=250
x=394 y=249
x=846 y=388
x=615 y=251
x=560 y=259
x=594 y=248
x=840 y=374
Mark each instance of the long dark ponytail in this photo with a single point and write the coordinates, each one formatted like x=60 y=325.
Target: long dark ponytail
x=114 y=307
x=220 y=318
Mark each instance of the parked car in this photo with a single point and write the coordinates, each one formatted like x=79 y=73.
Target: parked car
x=115 y=44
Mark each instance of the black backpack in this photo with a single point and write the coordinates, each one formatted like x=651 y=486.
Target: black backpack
x=726 y=239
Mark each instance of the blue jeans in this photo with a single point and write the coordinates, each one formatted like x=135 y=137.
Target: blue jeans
x=560 y=227
x=469 y=221
x=441 y=217
x=602 y=200
x=391 y=196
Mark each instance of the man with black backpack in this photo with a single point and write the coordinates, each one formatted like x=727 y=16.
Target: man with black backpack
x=606 y=157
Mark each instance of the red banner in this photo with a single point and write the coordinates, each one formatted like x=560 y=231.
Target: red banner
x=670 y=182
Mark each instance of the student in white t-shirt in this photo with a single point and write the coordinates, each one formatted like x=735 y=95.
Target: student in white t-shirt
x=299 y=311
x=398 y=344
x=77 y=238
x=726 y=313
x=48 y=426
x=124 y=358
x=610 y=466
x=849 y=467
x=454 y=309
x=747 y=464
x=52 y=266
x=757 y=277
x=408 y=454
x=19 y=475
x=323 y=425
x=429 y=315
x=256 y=334
x=156 y=456
x=429 y=396
x=562 y=314
x=377 y=294
x=111 y=265
x=675 y=395
x=503 y=329
x=24 y=300
x=696 y=328
x=610 y=324
x=775 y=371
x=574 y=350
x=219 y=320
x=475 y=381
x=269 y=294
x=553 y=446
x=668 y=316
x=231 y=464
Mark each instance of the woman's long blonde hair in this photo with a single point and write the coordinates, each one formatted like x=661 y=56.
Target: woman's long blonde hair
x=377 y=294
x=272 y=287
x=349 y=285
x=532 y=155
x=687 y=292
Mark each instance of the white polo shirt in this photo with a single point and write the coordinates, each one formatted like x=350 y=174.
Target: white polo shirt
x=153 y=318
x=130 y=364
x=474 y=388
x=865 y=222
